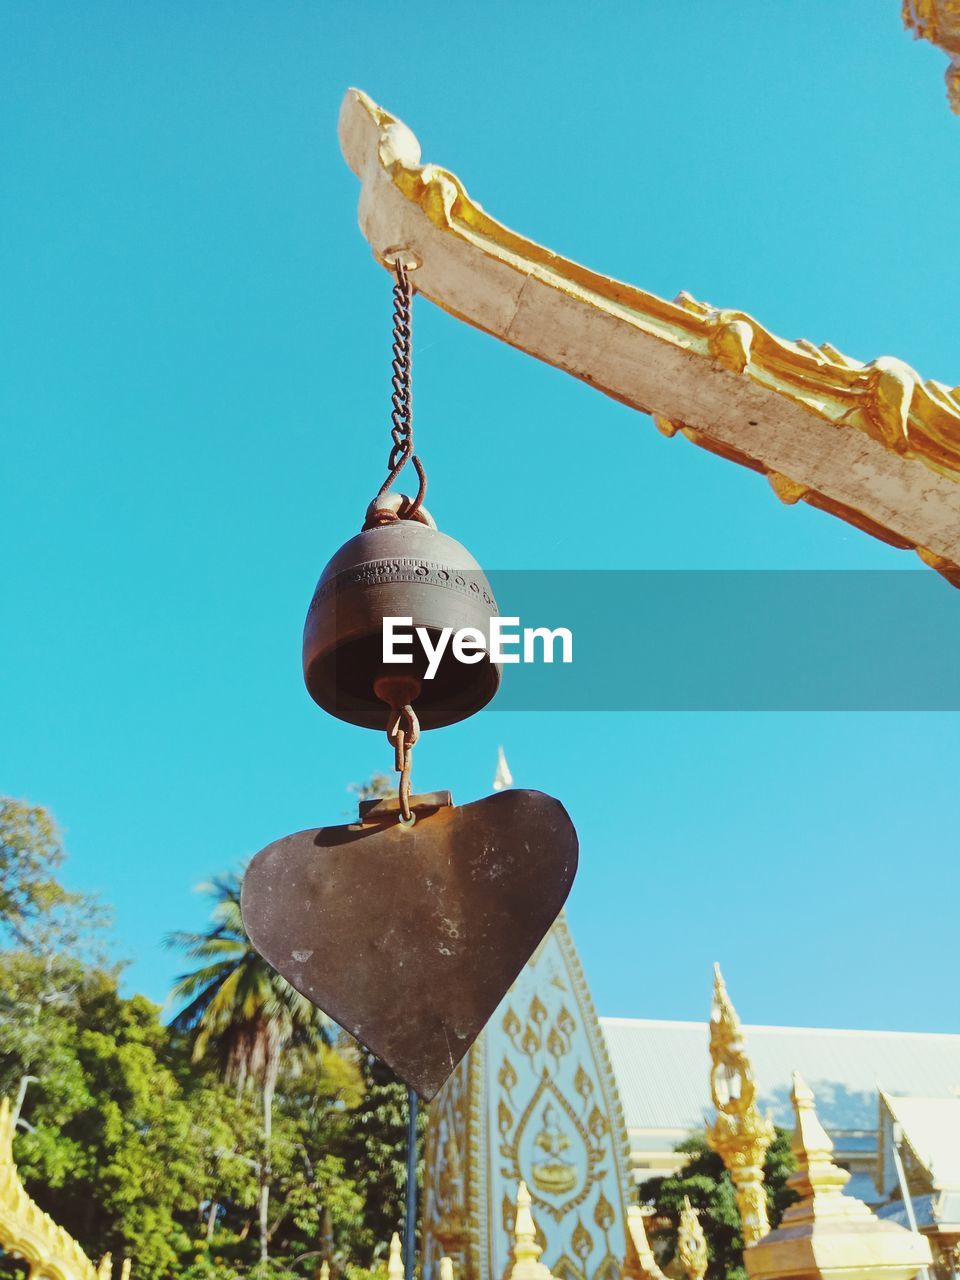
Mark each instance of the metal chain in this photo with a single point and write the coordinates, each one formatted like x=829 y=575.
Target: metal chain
x=403 y=727
x=401 y=397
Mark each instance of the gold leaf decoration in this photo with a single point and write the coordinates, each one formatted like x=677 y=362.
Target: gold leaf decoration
x=597 y=1123
x=538 y=1011
x=566 y=1269
x=504 y=1118
x=511 y=1024
x=581 y=1241
x=582 y=1083
x=565 y=1022
x=530 y=1042
x=507 y=1076
x=603 y=1213
x=556 y=1045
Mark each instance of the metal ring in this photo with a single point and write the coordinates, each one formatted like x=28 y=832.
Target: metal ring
x=395 y=253
x=407 y=823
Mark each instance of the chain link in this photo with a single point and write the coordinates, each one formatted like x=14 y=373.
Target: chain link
x=403 y=730
x=401 y=397
x=403 y=727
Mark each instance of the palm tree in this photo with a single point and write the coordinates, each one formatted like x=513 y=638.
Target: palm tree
x=241 y=1008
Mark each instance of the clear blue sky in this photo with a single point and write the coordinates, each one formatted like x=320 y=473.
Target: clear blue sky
x=193 y=405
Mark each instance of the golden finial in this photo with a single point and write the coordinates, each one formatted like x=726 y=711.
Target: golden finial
x=827 y=1235
x=446 y=1269
x=324 y=1273
x=741 y=1134
x=125 y=1269
x=395 y=1260
x=731 y=1081
x=105 y=1269
x=503 y=778
x=691 y=1242
x=526 y=1251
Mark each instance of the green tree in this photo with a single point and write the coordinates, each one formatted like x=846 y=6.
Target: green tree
x=239 y=1007
x=372 y=1140
x=131 y=1136
x=705 y=1180
x=119 y=1142
x=37 y=913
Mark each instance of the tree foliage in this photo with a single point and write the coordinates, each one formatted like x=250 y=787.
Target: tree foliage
x=705 y=1180
x=37 y=913
x=148 y=1140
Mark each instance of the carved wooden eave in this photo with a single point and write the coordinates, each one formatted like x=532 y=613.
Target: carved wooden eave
x=939 y=22
x=871 y=443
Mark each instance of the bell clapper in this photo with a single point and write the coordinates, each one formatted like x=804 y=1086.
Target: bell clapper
x=403 y=730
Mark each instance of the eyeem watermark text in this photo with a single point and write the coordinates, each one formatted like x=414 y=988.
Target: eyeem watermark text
x=506 y=642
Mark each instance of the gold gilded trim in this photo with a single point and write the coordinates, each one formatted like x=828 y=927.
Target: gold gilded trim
x=29 y=1233
x=939 y=22
x=760 y=396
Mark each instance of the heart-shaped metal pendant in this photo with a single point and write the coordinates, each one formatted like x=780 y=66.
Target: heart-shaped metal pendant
x=409 y=937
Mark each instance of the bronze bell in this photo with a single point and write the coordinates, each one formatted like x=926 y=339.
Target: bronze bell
x=397 y=567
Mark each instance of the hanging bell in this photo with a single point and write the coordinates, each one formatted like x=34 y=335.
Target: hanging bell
x=399 y=567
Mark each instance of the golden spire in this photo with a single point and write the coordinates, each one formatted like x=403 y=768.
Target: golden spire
x=324 y=1272
x=826 y=1233
x=395 y=1260
x=526 y=1251
x=691 y=1242
x=741 y=1134
x=816 y=1174
x=446 y=1268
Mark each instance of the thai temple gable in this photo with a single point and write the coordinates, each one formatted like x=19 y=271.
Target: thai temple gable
x=928 y=1130
x=534 y=1101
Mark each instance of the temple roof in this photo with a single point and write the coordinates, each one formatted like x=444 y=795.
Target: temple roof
x=662 y=1070
x=931 y=1127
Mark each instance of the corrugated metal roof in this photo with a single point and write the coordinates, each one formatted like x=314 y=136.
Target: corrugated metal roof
x=662 y=1069
x=896 y=1211
x=941 y=1211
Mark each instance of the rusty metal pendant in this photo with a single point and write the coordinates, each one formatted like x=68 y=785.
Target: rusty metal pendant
x=409 y=936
